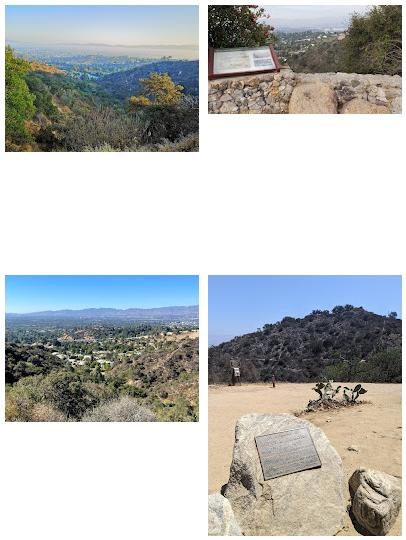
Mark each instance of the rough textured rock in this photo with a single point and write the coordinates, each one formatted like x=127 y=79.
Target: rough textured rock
x=313 y=98
x=267 y=93
x=270 y=93
x=376 y=499
x=360 y=106
x=221 y=517
x=305 y=503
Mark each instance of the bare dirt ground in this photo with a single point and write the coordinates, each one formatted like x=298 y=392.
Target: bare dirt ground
x=375 y=428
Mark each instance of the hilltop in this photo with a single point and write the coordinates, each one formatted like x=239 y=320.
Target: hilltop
x=346 y=342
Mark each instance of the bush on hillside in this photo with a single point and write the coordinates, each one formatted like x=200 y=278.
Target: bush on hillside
x=373 y=43
x=124 y=409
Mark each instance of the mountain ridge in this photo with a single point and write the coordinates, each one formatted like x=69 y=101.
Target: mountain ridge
x=159 y=312
x=299 y=350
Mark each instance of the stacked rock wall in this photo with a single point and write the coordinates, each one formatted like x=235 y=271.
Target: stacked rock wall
x=271 y=93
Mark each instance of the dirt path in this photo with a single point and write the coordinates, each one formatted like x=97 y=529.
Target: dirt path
x=375 y=428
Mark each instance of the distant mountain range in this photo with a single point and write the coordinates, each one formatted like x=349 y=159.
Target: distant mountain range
x=160 y=313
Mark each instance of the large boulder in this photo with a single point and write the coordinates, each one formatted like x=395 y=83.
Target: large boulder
x=376 y=499
x=306 y=503
x=360 y=106
x=221 y=517
x=313 y=98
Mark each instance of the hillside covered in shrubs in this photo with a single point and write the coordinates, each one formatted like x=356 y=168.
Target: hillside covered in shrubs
x=372 y=44
x=157 y=385
x=139 y=110
x=345 y=344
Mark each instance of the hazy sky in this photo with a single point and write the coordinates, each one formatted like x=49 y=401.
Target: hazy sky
x=312 y=16
x=105 y=26
x=26 y=294
x=241 y=304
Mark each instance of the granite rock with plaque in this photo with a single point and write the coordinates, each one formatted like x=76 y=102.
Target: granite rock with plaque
x=286 y=478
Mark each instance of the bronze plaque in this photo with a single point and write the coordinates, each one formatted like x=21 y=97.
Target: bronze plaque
x=287 y=452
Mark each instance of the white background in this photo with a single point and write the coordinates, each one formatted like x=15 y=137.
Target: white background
x=272 y=194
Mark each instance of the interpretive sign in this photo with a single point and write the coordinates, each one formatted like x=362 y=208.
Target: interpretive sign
x=242 y=61
x=287 y=452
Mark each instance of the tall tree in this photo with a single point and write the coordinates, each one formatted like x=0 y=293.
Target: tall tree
x=19 y=101
x=158 y=89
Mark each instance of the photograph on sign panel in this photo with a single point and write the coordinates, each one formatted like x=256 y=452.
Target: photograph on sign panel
x=89 y=78
x=102 y=348
x=305 y=59
x=304 y=397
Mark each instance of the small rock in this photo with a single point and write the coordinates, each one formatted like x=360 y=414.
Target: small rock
x=226 y=97
x=353 y=448
x=376 y=499
x=222 y=521
x=228 y=107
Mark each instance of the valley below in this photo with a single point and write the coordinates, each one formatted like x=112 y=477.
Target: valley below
x=64 y=101
x=97 y=369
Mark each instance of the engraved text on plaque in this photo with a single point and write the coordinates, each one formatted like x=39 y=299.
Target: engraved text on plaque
x=287 y=452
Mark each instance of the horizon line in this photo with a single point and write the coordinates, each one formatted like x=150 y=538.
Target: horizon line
x=103 y=44
x=96 y=308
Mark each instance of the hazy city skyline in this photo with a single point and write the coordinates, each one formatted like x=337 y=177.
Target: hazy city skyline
x=113 y=30
x=312 y=17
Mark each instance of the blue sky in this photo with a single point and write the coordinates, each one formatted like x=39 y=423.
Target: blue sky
x=241 y=304
x=318 y=17
x=25 y=294
x=104 y=26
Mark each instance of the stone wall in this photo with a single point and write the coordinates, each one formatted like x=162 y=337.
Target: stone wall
x=289 y=92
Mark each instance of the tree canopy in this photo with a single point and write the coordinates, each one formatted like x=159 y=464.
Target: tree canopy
x=373 y=43
x=158 y=89
x=238 y=26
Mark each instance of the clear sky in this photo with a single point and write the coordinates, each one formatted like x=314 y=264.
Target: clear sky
x=25 y=294
x=317 y=17
x=104 y=26
x=241 y=304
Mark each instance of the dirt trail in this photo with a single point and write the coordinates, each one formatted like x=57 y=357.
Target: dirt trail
x=375 y=428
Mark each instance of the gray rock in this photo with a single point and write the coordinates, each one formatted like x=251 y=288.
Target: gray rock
x=305 y=503
x=226 y=97
x=376 y=499
x=396 y=106
x=313 y=98
x=222 y=521
x=228 y=107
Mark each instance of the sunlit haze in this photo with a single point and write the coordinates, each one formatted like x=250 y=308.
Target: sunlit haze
x=144 y=31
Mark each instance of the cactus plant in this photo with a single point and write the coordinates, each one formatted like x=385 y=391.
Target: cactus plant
x=326 y=390
x=355 y=393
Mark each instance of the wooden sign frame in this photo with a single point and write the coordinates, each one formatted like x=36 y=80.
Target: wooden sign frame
x=213 y=75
